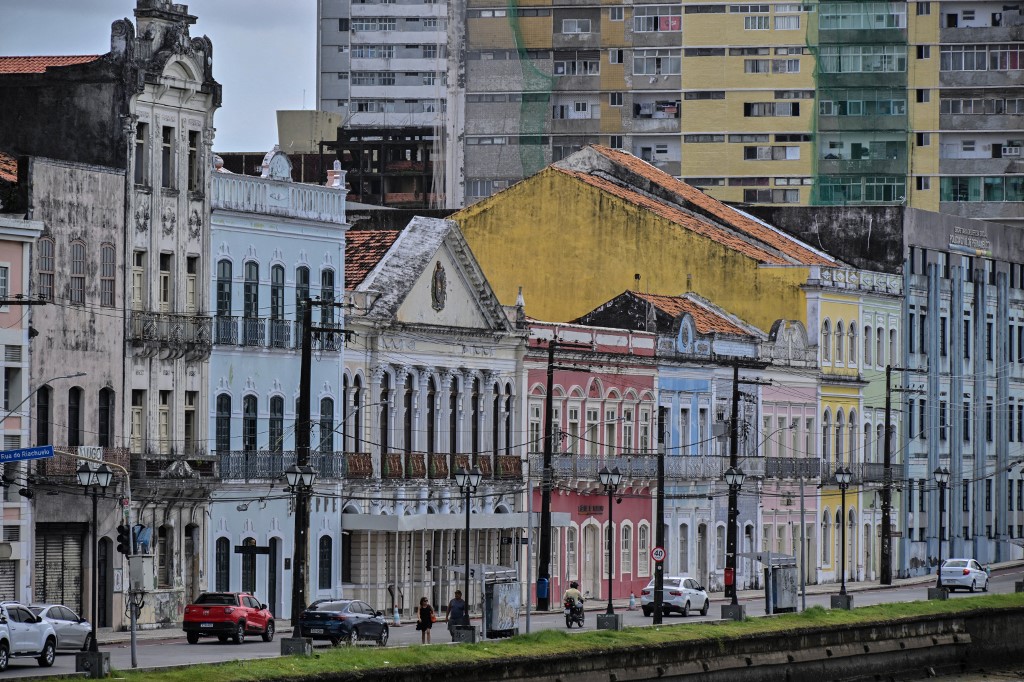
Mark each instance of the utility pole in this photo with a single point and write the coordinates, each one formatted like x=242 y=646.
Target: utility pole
x=730 y=531
x=547 y=477
x=885 y=576
x=659 y=519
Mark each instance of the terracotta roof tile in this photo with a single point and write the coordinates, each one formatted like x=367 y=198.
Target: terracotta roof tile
x=682 y=218
x=40 y=64
x=363 y=250
x=8 y=168
x=772 y=238
x=705 y=319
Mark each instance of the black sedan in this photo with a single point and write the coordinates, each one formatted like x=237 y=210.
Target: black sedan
x=343 y=620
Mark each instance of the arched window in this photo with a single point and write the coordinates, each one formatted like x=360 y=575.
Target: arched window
x=385 y=414
x=853 y=342
x=164 y=556
x=826 y=341
x=851 y=456
x=474 y=418
x=643 y=548
x=252 y=333
x=826 y=543
x=223 y=423
x=626 y=554
x=826 y=441
x=44 y=401
x=867 y=345
x=249 y=423
x=840 y=340
x=223 y=565
x=508 y=419
x=326 y=425
x=868 y=435
x=357 y=416
x=840 y=437
x=46 y=268
x=570 y=553
x=453 y=417
x=327 y=297
x=275 y=431
x=249 y=567
x=277 y=292
x=880 y=346
x=431 y=416
x=407 y=415
x=76 y=431
x=105 y=428
x=77 y=272
x=496 y=419
x=324 y=564
x=107 y=275
x=893 y=355
x=879 y=440
x=224 y=288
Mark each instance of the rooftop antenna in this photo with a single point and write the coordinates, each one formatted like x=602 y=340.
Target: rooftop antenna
x=636 y=277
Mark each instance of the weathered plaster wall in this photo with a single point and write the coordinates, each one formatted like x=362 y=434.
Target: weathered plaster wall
x=572 y=247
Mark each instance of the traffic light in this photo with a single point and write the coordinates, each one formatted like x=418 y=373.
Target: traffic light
x=124 y=540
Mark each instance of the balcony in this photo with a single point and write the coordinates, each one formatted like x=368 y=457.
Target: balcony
x=225 y=330
x=642 y=466
x=863 y=472
x=170 y=335
x=254 y=331
x=264 y=465
x=792 y=467
x=154 y=468
x=261 y=332
x=65 y=464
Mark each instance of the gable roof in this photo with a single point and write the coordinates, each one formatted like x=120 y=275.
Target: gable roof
x=8 y=168
x=679 y=217
x=707 y=317
x=397 y=268
x=41 y=64
x=363 y=250
x=686 y=199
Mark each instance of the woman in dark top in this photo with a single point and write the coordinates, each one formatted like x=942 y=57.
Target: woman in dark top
x=426 y=620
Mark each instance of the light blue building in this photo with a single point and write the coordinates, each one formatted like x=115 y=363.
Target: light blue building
x=274 y=243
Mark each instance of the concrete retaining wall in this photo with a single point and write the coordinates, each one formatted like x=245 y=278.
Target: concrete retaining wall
x=907 y=649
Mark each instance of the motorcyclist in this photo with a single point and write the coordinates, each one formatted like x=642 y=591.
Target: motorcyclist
x=572 y=595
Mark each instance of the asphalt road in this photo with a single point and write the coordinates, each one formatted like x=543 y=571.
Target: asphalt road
x=175 y=651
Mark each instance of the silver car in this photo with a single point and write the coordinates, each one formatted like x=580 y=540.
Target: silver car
x=72 y=631
x=681 y=594
x=963 y=573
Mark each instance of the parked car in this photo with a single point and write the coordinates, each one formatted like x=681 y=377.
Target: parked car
x=963 y=573
x=25 y=635
x=227 y=615
x=73 y=632
x=343 y=620
x=680 y=594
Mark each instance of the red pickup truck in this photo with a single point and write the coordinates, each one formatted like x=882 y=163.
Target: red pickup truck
x=227 y=615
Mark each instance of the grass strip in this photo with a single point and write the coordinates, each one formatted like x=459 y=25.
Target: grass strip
x=548 y=643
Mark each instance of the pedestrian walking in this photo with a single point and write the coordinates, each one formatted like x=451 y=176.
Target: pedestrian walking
x=458 y=613
x=426 y=620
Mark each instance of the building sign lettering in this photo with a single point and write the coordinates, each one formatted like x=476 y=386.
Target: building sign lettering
x=590 y=509
x=973 y=242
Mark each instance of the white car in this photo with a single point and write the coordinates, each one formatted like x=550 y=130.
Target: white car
x=680 y=594
x=73 y=632
x=25 y=635
x=963 y=573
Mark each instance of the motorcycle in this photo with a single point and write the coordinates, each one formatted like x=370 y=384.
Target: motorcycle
x=573 y=613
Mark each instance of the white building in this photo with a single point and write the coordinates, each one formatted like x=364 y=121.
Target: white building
x=273 y=243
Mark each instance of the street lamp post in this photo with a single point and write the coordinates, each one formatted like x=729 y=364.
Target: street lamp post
x=610 y=480
x=300 y=478
x=91 y=479
x=467 y=482
x=734 y=478
x=843 y=600
x=942 y=478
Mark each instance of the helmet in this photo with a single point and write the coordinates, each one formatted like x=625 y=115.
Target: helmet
x=574 y=585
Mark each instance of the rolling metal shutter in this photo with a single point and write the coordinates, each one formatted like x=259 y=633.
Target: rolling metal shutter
x=59 y=572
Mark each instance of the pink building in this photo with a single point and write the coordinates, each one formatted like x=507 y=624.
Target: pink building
x=604 y=415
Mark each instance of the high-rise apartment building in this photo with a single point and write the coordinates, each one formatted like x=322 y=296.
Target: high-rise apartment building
x=814 y=103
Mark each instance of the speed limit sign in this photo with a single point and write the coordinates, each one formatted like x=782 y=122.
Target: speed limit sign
x=658 y=554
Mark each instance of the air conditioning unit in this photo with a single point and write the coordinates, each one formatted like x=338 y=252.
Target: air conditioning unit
x=1011 y=151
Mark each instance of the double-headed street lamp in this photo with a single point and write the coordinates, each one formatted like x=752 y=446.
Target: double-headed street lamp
x=610 y=480
x=92 y=479
x=734 y=478
x=300 y=479
x=467 y=482
x=843 y=478
x=942 y=478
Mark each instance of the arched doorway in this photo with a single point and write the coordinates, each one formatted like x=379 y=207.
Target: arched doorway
x=702 y=554
x=273 y=577
x=592 y=568
x=192 y=545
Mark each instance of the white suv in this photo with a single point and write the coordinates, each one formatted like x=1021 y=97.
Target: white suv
x=23 y=634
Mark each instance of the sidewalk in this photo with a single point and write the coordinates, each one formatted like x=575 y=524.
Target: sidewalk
x=110 y=636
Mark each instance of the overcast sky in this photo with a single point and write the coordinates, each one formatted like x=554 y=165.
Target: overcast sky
x=264 y=52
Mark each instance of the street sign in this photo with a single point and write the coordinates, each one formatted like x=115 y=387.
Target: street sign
x=40 y=452
x=658 y=554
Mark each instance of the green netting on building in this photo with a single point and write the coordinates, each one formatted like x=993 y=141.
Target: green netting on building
x=861 y=126
x=535 y=109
